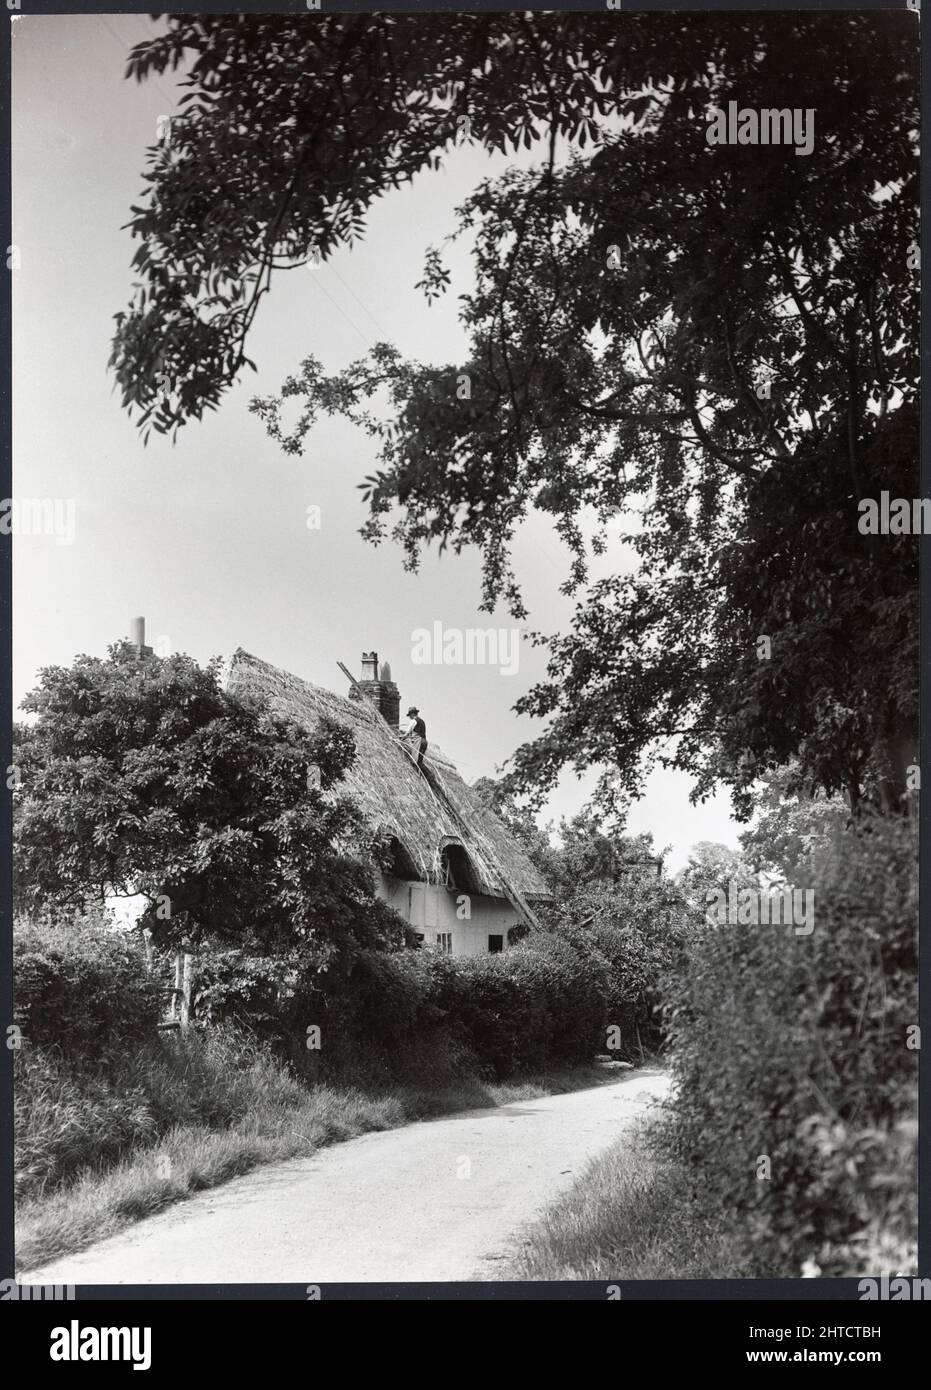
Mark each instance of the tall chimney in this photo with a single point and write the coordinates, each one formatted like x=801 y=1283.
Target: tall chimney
x=377 y=686
x=137 y=637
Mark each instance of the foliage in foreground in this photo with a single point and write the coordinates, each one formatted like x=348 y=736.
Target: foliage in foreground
x=96 y=1081
x=82 y=990
x=715 y=346
x=796 y=1065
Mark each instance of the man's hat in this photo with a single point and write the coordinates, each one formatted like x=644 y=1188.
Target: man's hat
x=413 y=710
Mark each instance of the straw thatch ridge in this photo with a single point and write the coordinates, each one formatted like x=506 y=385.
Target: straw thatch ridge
x=423 y=813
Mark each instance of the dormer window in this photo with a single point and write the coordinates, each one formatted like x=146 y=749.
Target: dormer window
x=458 y=871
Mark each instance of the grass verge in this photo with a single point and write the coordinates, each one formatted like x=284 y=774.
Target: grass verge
x=630 y=1215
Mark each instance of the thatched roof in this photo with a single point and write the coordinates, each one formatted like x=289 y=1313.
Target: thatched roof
x=423 y=813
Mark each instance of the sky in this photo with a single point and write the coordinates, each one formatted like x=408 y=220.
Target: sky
x=208 y=538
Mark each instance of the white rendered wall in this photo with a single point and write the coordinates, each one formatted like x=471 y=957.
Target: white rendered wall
x=433 y=910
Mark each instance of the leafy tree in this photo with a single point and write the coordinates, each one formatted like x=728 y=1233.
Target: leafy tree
x=579 y=851
x=713 y=866
x=589 y=854
x=519 y=820
x=616 y=908
x=788 y=827
x=615 y=905
x=143 y=775
x=293 y=125
x=716 y=344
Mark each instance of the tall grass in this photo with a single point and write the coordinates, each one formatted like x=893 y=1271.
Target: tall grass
x=74 y=1115
x=631 y=1215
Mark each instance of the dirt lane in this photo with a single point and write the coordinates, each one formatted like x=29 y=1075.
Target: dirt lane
x=439 y=1200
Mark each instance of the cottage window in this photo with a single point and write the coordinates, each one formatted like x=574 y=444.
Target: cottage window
x=444 y=940
x=458 y=871
x=399 y=863
x=496 y=943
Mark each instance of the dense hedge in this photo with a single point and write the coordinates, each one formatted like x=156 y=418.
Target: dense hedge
x=83 y=990
x=631 y=956
x=534 y=1007
x=530 y=1008
x=795 y=1049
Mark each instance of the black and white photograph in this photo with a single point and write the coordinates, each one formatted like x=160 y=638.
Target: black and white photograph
x=463 y=770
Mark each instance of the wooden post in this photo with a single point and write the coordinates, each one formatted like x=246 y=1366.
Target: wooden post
x=176 y=993
x=149 y=950
x=187 y=971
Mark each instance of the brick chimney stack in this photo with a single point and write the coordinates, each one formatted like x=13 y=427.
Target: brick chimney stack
x=376 y=685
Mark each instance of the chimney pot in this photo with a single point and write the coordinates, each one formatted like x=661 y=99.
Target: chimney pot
x=378 y=687
x=137 y=637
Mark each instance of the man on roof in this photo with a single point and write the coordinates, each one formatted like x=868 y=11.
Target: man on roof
x=415 y=734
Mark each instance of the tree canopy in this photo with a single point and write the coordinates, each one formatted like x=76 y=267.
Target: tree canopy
x=788 y=829
x=716 y=345
x=141 y=775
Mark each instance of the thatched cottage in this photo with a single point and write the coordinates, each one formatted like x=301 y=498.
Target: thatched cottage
x=456 y=874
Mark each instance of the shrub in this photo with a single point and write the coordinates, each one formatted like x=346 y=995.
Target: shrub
x=580 y=1005
x=236 y=988
x=83 y=990
x=795 y=1048
x=401 y=1014
x=394 y=1018
x=527 y=1009
x=533 y=1007
x=630 y=961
